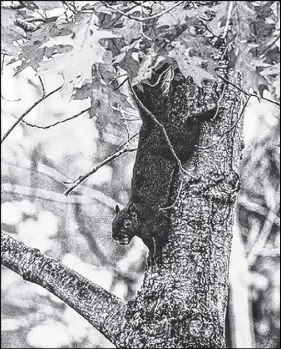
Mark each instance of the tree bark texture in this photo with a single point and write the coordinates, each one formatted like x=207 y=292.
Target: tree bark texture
x=96 y=305
x=183 y=303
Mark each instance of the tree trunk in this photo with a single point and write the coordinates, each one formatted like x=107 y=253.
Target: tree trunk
x=183 y=303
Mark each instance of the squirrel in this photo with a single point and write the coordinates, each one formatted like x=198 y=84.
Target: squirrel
x=155 y=168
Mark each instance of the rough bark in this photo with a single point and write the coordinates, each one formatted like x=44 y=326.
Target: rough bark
x=183 y=303
x=100 y=308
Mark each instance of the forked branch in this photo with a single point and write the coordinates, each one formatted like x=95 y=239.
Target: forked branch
x=57 y=122
x=19 y=119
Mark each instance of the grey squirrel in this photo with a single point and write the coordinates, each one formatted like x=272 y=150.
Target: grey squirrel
x=155 y=168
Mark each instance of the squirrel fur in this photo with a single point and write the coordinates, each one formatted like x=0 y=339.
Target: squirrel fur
x=155 y=168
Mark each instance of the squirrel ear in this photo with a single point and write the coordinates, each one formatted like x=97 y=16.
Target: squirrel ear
x=117 y=209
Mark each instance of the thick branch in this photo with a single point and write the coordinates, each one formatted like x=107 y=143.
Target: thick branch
x=100 y=308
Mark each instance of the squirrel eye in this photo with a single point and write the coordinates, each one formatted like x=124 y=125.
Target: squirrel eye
x=127 y=223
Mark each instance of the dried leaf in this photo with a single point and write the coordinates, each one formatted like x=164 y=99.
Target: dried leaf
x=83 y=48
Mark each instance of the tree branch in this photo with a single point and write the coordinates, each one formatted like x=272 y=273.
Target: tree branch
x=27 y=111
x=141 y=19
x=266 y=230
x=56 y=123
x=90 y=196
x=154 y=119
x=120 y=151
x=100 y=308
x=247 y=93
x=254 y=207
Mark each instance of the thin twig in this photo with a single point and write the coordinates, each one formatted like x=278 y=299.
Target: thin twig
x=56 y=123
x=266 y=230
x=123 y=149
x=42 y=86
x=256 y=208
x=141 y=19
x=27 y=111
x=121 y=84
x=154 y=119
x=247 y=93
x=10 y=100
x=81 y=179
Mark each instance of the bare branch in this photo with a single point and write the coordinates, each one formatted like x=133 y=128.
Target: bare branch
x=42 y=85
x=10 y=100
x=254 y=207
x=266 y=230
x=247 y=93
x=58 y=122
x=27 y=111
x=100 y=308
x=154 y=119
x=141 y=19
x=88 y=197
x=123 y=149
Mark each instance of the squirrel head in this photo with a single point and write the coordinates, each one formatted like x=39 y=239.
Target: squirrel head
x=125 y=224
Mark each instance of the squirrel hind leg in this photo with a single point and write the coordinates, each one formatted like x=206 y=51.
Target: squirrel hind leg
x=152 y=251
x=155 y=252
